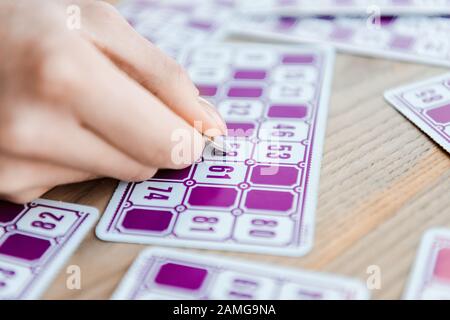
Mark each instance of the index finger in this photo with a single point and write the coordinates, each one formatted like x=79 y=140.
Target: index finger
x=153 y=69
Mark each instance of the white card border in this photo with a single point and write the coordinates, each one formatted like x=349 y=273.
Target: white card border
x=311 y=198
x=391 y=97
x=47 y=275
x=268 y=35
x=336 y=10
x=127 y=282
x=414 y=283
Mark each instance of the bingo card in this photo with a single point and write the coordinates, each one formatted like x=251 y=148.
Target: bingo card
x=427 y=105
x=347 y=7
x=169 y=274
x=415 y=39
x=35 y=241
x=175 y=24
x=260 y=196
x=430 y=277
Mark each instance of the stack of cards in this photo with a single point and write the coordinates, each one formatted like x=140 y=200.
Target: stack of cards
x=35 y=242
x=259 y=197
x=430 y=277
x=345 y=7
x=416 y=39
x=168 y=274
x=427 y=105
x=174 y=24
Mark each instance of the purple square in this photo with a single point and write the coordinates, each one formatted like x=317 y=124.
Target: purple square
x=207 y=91
x=24 y=247
x=269 y=200
x=442 y=265
x=167 y=174
x=287 y=2
x=147 y=220
x=341 y=33
x=180 y=276
x=344 y=2
x=245 y=92
x=386 y=20
x=212 y=196
x=401 y=2
x=240 y=129
x=9 y=211
x=440 y=114
x=298 y=59
x=272 y=175
x=203 y=25
x=285 y=111
x=250 y=74
x=402 y=42
x=285 y=23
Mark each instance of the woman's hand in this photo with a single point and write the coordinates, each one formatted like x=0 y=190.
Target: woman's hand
x=100 y=101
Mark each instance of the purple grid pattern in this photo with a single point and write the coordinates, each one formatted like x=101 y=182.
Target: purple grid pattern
x=352 y=4
x=426 y=43
x=57 y=244
x=143 y=281
x=428 y=273
x=181 y=18
x=304 y=166
x=421 y=113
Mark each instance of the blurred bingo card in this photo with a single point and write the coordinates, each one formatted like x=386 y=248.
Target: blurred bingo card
x=427 y=105
x=338 y=7
x=169 y=274
x=416 y=39
x=430 y=277
x=174 y=24
x=35 y=241
x=259 y=197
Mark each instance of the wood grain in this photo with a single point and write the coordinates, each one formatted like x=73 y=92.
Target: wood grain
x=383 y=183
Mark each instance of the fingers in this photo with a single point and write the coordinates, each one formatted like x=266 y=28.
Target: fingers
x=18 y=174
x=128 y=117
x=47 y=136
x=154 y=70
x=23 y=180
x=24 y=196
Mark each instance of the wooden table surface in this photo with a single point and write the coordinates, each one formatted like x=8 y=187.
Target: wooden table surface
x=383 y=183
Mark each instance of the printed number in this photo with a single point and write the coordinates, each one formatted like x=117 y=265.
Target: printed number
x=233 y=153
x=278 y=155
x=205 y=220
x=282 y=131
x=239 y=110
x=158 y=196
x=220 y=169
x=43 y=225
x=47 y=225
x=428 y=96
x=44 y=215
x=6 y=274
x=244 y=288
x=263 y=223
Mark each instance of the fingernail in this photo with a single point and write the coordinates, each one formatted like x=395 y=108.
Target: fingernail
x=214 y=115
x=219 y=143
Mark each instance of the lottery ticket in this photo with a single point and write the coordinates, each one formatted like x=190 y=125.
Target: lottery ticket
x=415 y=39
x=261 y=195
x=35 y=241
x=427 y=105
x=430 y=277
x=170 y=274
x=347 y=7
x=174 y=24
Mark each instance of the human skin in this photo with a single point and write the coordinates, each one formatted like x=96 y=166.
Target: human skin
x=99 y=101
